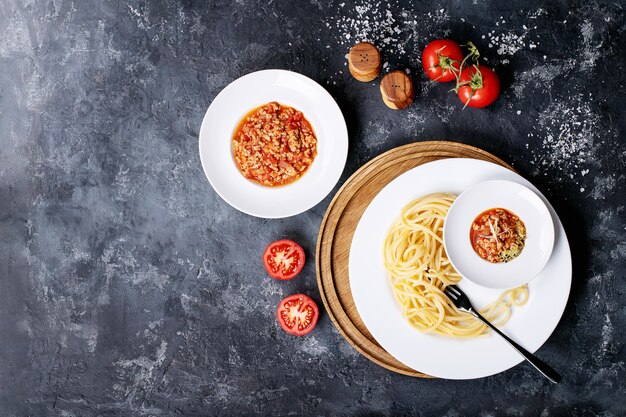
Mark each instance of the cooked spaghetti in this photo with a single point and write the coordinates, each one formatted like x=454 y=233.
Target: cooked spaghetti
x=419 y=270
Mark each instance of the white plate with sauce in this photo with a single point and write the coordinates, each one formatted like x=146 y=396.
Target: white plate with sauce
x=519 y=201
x=530 y=325
x=247 y=93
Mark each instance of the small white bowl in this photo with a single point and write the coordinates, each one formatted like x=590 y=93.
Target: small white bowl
x=247 y=93
x=522 y=202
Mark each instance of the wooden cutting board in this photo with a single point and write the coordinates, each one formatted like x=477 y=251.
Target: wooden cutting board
x=338 y=226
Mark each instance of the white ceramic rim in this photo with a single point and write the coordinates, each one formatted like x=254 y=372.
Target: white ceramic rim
x=516 y=198
x=439 y=356
x=253 y=90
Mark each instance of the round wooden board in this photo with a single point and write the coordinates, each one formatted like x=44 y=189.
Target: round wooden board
x=338 y=227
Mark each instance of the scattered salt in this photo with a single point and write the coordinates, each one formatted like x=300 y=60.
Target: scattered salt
x=509 y=43
x=375 y=22
x=568 y=129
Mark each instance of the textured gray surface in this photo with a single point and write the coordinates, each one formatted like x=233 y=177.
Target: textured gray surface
x=127 y=287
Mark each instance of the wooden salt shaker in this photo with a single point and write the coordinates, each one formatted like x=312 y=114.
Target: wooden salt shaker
x=364 y=61
x=397 y=90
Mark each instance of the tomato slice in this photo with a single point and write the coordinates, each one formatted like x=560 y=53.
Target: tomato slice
x=283 y=259
x=297 y=314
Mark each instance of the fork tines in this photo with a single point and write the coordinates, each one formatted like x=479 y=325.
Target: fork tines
x=458 y=298
x=452 y=291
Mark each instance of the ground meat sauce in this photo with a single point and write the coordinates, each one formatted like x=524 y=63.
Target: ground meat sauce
x=274 y=145
x=497 y=235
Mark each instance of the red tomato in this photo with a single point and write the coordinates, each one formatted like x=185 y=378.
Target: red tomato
x=283 y=259
x=438 y=59
x=480 y=86
x=297 y=314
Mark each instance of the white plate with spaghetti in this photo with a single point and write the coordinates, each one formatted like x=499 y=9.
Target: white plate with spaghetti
x=248 y=151
x=381 y=268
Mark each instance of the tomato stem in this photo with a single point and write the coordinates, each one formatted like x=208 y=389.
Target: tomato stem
x=473 y=54
x=468 y=100
x=475 y=83
x=446 y=63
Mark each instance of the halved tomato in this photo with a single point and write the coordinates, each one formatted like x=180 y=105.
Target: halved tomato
x=283 y=259
x=297 y=314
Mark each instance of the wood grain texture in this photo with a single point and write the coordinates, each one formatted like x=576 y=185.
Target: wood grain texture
x=338 y=227
x=364 y=61
x=396 y=88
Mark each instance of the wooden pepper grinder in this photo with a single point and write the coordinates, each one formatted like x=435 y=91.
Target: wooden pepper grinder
x=364 y=61
x=397 y=90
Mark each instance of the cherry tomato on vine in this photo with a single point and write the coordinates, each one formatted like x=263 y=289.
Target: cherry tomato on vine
x=297 y=314
x=283 y=259
x=478 y=87
x=440 y=59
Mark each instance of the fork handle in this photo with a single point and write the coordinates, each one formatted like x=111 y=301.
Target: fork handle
x=541 y=366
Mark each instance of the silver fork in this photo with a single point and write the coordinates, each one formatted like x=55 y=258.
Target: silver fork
x=460 y=300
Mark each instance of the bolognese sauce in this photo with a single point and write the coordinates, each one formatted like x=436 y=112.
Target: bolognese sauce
x=497 y=235
x=274 y=145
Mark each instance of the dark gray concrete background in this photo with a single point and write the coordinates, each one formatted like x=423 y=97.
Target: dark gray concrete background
x=127 y=287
